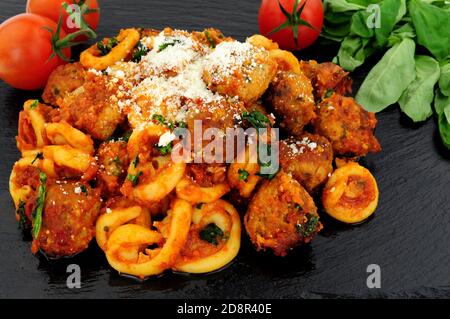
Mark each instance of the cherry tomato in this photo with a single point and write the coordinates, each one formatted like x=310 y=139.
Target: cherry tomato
x=53 y=8
x=26 y=48
x=282 y=27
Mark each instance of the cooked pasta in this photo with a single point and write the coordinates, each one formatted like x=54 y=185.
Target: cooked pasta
x=99 y=159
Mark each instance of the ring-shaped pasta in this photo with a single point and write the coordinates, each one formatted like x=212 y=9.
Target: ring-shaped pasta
x=286 y=60
x=110 y=221
x=125 y=252
x=63 y=133
x=188 y=190
x=351 y=194
x=223 y=215
x=65 y=156
x=143 y=139
x=261 y=41
x=127 y=38
x=31 y=127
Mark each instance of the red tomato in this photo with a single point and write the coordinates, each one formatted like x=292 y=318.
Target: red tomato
x=53 y=8
x=25 y=49
x=271 y=17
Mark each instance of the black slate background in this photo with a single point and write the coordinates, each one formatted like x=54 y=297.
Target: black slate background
x=409 y=236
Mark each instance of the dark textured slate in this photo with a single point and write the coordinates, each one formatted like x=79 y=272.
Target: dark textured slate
x=409 y=237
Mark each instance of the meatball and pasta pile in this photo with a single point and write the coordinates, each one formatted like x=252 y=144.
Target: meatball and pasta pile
x=98 y=152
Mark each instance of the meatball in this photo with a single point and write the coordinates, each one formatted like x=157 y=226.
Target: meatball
x=113 y=160
x=65 y=79
x=327 y=77
x=348 y=127
x=292 y=100
x=93 y=107
x=309 y=158
x=68 y=220
x=281 y=215
x=239 y=69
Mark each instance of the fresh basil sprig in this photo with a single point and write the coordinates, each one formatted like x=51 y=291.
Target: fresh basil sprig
x=37 y=213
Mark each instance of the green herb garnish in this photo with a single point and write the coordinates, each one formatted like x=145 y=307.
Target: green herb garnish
x=210 y=234
x=34 y=104
x=84 y=190
x=164 y=150
x=22 y=217
x=140 y=51
x=309 y=227
x=165 y=45
x=136 y=161
x=243 y=175
x=210 y=40
x=256 y=118
x=134 y=178
x=105 y=48
x=37 y=213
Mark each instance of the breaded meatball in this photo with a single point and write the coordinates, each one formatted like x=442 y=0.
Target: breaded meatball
x=239 y=69
x=68 y=220
x=63 y=80
x=348 y=127
x=326 y=78
x=93 y=108
x=292 y=101
x=281 y=215
x=308 y=158
x=113 y=160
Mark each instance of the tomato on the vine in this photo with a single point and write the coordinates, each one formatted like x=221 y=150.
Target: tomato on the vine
x=293 y=24
x=85 y=12
x=30 y=49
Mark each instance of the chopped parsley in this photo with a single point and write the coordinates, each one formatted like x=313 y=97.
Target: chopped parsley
x=39 y=155
x=84 y=190
x=136 y=161
x=329 y=93
x=37 y=213
x=256 y=118
x=164 y=150
x=140 y=51
x=105 y=48
x=261 y=164
x=243 y=175
x=210 y=40
x=165 y=45
x=210 y=234
x=309 y=227
x=134 y=178
x=34 y=104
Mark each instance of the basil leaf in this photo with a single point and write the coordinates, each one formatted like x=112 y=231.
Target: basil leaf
x=388 y=79
x=353 y=52
x=432 y=26
x=343 y=5
x=405 y=31
x=359 y=25
x=391 y=11
x=442 y=107
x=444 y=79
x=416 y=100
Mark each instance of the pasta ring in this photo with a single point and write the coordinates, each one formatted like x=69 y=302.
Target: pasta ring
x=351 y=194
x=225 y=216
x=62 y=133
x=68 y=157
x=286 y=60
x=124 y=246
x=261 y=41
x=109 y=222
x=128 y=38
x=187 y=189
x=31 y=122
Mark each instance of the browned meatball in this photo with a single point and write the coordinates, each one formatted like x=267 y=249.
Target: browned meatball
x=65 y=79
x=326 y=78
x=281 y=215
x=292 y=101
x=113 y=160
x=93 y=107
x=68 y=220
x=309 y=158
x=347 y=126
